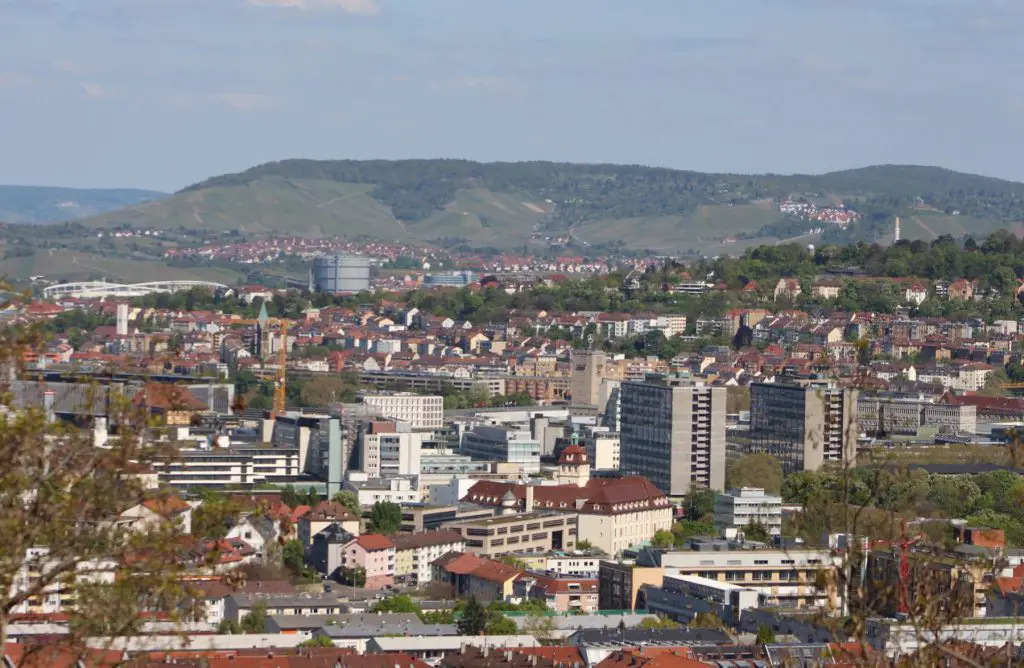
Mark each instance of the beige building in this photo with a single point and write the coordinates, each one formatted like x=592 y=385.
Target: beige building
x=414 y=552
x=506 y=534
x=613 y=514
x=804 y=424
x=588 y=368
x=603 y=450
x=420 y=411
x=619 y=583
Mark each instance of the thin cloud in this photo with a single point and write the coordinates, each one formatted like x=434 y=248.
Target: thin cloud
x=13 y=80
x=358 y=7
x=94 y=91
x=243 y=101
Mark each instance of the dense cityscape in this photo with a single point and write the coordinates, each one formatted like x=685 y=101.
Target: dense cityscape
x=448 y=334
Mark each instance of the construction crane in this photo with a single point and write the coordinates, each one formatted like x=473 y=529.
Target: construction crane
x=904 y=545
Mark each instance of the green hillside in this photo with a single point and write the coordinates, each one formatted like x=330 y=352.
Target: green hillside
x=507 y=205
x=37 y=204
x=60 y=264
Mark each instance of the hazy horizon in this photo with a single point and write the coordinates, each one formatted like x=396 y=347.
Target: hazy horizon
x=160 y=94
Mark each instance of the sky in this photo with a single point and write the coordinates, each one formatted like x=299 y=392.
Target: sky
x=164 y=93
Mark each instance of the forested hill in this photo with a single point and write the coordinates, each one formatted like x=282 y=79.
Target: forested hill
x=532 y=206
x=416 y=189
x=42 y=204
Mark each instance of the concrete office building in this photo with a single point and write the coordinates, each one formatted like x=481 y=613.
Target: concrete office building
x=501 y=443
x=804 y=424
x=895 y=416
x=455 y=279
x=340 y=273
x=673 y=433
x=495 y=537
x=588 y=368
x=739 y=507
x=318 y=437
x=387 y=449
x=420 y=411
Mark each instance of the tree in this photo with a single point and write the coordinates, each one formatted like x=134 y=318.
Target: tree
x=353 y=577
x=385 y=518
x=699 y=504
x=350 y=500
x=256 y=620
x=500 y=625
x=541 y=626
x=765 y=635
x=228 y=627
x=584 y=545
x=399 y=603
x=756 y=531
x=288 y=496
x=473 y=620
x=59 y=499
x=663 y=539
x=293 y=557
x=657 y=623
x=756 y=470
x=706 y=620
x=319 y=640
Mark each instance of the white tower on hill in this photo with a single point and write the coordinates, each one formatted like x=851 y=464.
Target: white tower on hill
x=896 y=231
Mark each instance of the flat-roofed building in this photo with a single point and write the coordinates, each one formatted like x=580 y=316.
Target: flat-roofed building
x=507 y=534
x=420 y=411
x=738 y=508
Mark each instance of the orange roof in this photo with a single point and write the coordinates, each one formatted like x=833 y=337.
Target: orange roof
x=373 y=541
x=167 y=506
x=165 y=396
x=461 y=564
x=495 y=571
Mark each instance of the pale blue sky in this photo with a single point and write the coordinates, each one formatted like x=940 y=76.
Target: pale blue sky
x=163 y=93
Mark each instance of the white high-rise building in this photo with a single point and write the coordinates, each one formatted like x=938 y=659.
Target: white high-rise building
x=386 y=451
x=420 y=411
x=748 y=505
x=896 y=231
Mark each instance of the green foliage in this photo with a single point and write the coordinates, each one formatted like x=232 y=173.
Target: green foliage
x=756 y=470
x=318 y=640
x=706 y=620
x=528 y=605
x=385 y=518
x=293 y=558
x=474 y=619
x=353 y=577
x=212 y=518
x=256 y=620
x=657 y=623
x=228 y=627
x=438 y=617
x=683 y=530
x=699 y=504
x=663 y=539
x=541 y=626
x=398 y=603
x=500 y=625
x=757 y=532
x=765 y=635
x=584 y=545
x=350 y=500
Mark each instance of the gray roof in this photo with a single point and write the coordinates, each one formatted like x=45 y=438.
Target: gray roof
x=288 y=600
x=575 y=622
x=370 y=625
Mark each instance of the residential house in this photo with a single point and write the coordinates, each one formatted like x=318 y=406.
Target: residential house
x=324 y=515
x=787 y=288
x=415 y=552
x=375 y=554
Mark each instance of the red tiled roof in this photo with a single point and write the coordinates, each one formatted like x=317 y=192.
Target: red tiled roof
x=458 y=563
x=167 y=506
x=165 y=396
x=373 y=541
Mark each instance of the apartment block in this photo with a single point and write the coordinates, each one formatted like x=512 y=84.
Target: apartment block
x=739 y=507
x=238 y=465
x=673 y=433
x=880 y=415
x=420 y=411
x=388 y=449
x=804 y=424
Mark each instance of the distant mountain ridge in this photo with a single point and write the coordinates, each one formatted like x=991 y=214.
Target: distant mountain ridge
x=505 y=205
x=44 y=204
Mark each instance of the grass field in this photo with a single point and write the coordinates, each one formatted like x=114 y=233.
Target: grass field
x=58 y=264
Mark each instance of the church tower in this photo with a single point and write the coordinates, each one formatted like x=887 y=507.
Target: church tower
x=574 y=465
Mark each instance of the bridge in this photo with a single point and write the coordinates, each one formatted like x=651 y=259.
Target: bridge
x=105 y=289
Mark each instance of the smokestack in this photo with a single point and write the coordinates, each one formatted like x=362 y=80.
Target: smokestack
x=48 y=400
x=529 y=499
x=122 y=319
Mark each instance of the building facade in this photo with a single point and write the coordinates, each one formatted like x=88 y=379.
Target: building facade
x=500 y=443
x=804 y=425
x=509 y=534
x=737 y=508
x=420 y=411
x=588 y=368
x=385 y=451
x=673 y=433
x=340 y=273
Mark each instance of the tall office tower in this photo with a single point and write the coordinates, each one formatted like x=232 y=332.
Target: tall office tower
x=673 y=433
x=896 y=231
x=805 y=424
x=588 y=368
